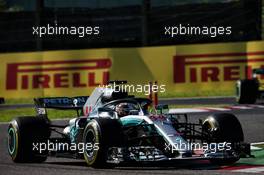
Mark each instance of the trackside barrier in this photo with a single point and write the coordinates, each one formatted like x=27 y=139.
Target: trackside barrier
x=198 y=69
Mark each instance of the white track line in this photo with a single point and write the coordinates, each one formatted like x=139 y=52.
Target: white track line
x=187 y=110
x=216 y=109
x=256 y=106
x=210 y=109
x=257 y=143
x=254 y=148
x=191 y=98
x=239 y=107
x=250 y=170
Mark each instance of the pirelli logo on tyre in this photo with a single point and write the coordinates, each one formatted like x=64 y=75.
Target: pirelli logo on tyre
x=57 y=74
x=223 y=67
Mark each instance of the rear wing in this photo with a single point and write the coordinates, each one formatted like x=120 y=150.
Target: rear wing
x=63 y=103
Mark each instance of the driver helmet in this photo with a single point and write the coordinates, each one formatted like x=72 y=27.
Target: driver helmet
x=123 y=109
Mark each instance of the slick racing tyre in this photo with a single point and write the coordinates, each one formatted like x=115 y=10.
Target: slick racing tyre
x=246 y=91
x=102 y=134
x=23 y=134
x=223 y=127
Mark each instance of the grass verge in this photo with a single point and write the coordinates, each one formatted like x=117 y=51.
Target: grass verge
x=7 y=115
x=161 y=95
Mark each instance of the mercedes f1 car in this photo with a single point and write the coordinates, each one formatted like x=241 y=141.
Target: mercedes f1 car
x=115 y=128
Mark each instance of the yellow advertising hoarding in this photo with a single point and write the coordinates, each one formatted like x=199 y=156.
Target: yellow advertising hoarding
x=184 y=69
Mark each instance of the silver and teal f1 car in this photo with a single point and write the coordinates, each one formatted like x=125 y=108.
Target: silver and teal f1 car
x=144 y=135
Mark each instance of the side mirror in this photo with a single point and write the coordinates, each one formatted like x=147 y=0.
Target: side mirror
x=107 y=113
x=133 y=112
x=104 y=109
x=162 y=108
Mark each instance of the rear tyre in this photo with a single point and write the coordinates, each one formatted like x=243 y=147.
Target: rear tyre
x=101 y=134
x=224 y=127
x=23 y=134
x=246 y=91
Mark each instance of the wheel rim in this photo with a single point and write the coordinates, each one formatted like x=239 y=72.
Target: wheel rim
x=208 y=127
x=90 y=139
x=11 y=141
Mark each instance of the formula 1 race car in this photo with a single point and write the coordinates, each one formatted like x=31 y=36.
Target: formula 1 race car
x=249 y=90
x=113 y=128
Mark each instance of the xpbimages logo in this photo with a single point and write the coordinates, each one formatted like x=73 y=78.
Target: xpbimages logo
x=188 y=30
x=58 y=146
x=205 y=147
x=80 y=31
x=134 y=88
x=57 y=74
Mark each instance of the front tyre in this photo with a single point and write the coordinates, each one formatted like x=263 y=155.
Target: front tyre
x=224 y=127
x=92 y=135
x=100 y=135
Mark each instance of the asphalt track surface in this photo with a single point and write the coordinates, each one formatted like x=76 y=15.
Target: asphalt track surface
x=252 y=121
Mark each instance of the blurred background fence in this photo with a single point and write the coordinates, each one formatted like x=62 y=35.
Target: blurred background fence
x=124 y=23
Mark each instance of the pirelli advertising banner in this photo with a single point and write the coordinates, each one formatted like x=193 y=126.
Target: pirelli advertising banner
x=205 y=69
